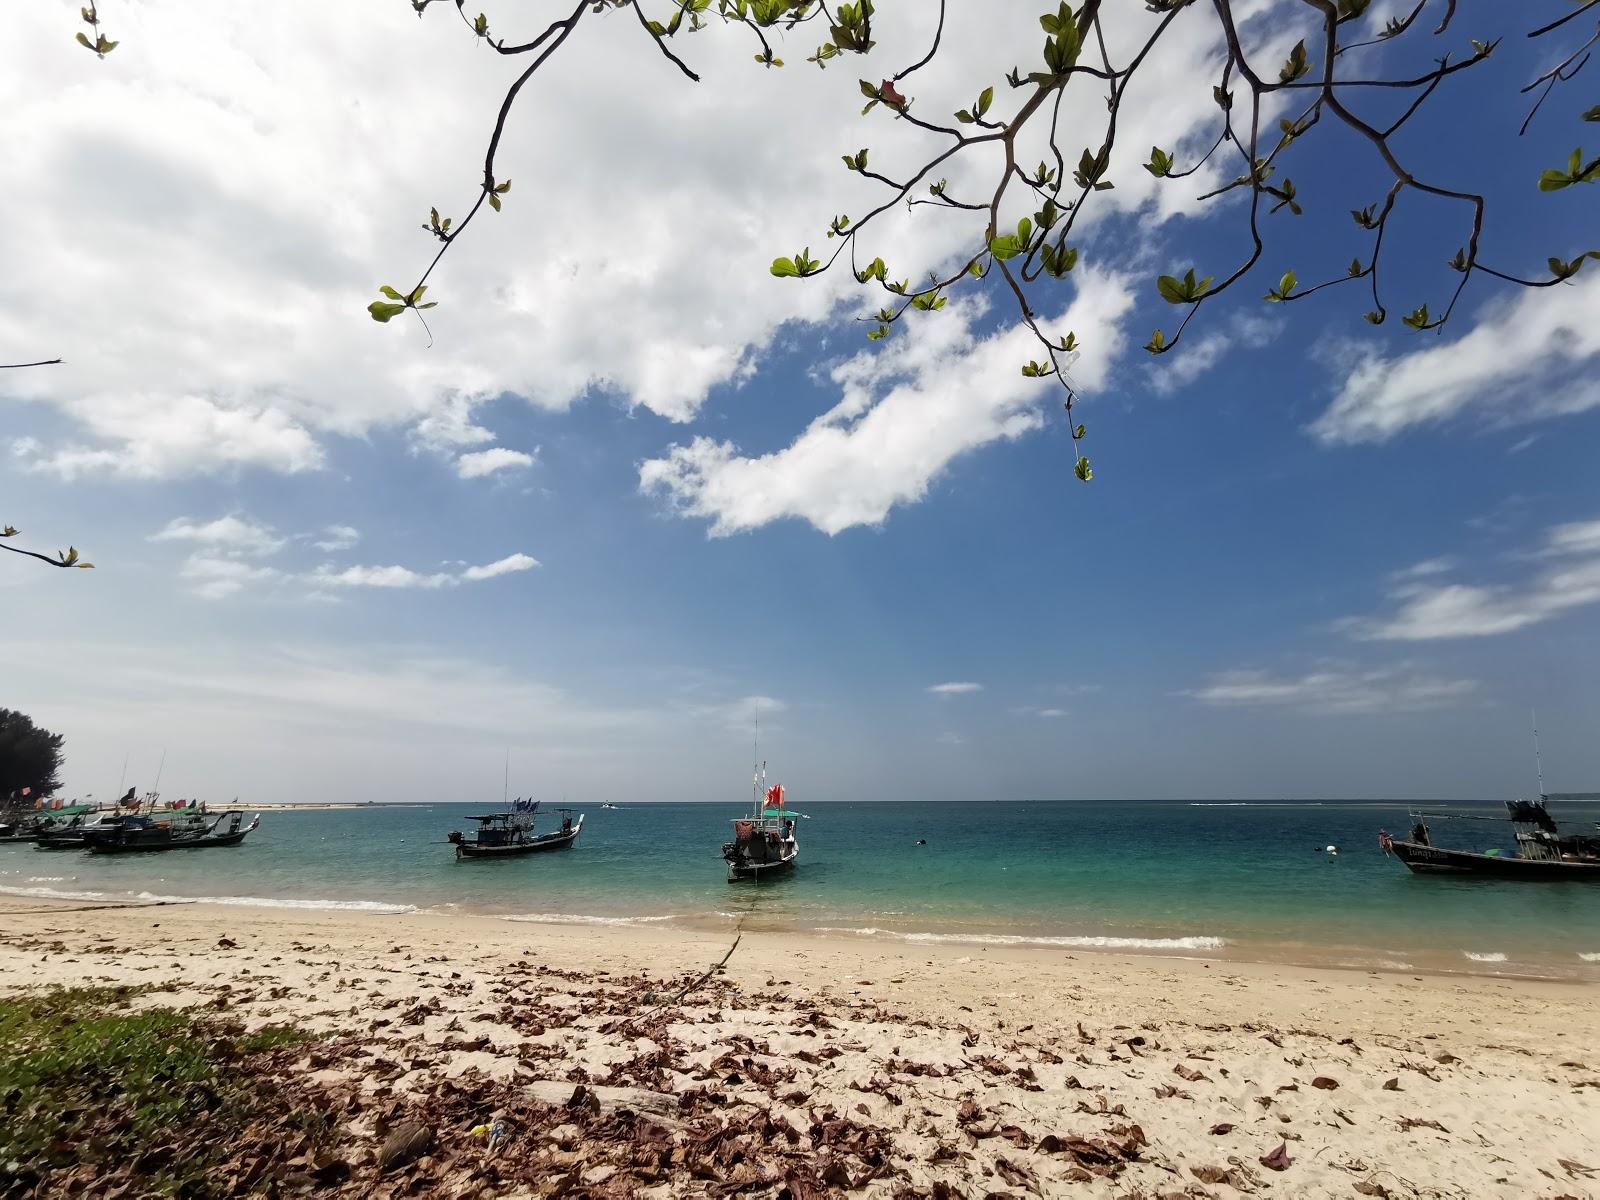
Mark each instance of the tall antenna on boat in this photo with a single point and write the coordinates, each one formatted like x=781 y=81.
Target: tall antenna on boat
x=505 y=788
x=1538 y=764
x=123 y=778
x=159 y=768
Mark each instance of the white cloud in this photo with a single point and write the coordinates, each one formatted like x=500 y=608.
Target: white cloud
x=336 y=537
x=404 y=577
x=1424 y=569
x=504 y=566
x=905 y=412
x=213 y=578
x=487 y=462
x=955 y=689
x=229 y=535
x=212 y=212
x=1576 y=537
x=1528 y=357
x=1046 y=713
x=1180 y=367
x=1430 y=611
x=1398 y=688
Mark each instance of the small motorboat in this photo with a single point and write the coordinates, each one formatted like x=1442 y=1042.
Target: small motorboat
x=511 y=834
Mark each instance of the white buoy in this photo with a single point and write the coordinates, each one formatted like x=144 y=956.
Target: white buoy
x=1333 y=850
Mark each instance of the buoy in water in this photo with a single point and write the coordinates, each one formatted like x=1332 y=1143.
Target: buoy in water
x=1333 y=850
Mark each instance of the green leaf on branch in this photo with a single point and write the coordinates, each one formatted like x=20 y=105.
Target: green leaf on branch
x=1566 y=270
x=1297 y=65
x=792 y=268
x=1593 y=114
x=385 y=312
x=1364 y=216
x=875 y=270
x=1157 y=343
x=1372 y=318
x=1182 y=291
x=1283 y=290
x=1082 y=469
x=1355 y=267
x=1160 y=163
x=481 y=26
x=1417 y=319
x=1554 y=180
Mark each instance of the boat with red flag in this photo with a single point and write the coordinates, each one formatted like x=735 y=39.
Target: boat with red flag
x=763 y=843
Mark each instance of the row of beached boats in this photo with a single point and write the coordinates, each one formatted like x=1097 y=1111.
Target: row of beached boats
x=134 y=825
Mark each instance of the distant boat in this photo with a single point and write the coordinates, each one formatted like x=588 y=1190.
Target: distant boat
x=185 y=828
x=1544 y=850
x=511 y=834
x=763 y=844
x=612 y=806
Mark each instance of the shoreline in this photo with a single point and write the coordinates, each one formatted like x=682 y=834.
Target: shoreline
x=1453 y=965
x=980 y=1068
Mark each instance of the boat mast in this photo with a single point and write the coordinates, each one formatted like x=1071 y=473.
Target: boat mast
x=505 y=787
x=1538 y=765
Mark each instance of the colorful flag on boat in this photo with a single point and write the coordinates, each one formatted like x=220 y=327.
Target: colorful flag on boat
x=775 y=796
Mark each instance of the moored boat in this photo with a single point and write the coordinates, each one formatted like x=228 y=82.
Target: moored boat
x=183 y=829
x=1543 y=849
x=512 y=834
x=764 y=845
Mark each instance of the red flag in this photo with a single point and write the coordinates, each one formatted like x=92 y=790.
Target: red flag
x=775 y=796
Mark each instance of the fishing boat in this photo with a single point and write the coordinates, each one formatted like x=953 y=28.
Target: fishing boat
x=185 y=828
x=510 y=834
x=764 y=844
x=1544 y=850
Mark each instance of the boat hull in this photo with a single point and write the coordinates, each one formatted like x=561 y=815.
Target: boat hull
x=739 y=872
x=1434 y=860
x=550 y=841
x=109 y=845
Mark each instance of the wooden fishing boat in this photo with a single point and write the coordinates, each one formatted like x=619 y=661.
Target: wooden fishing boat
x=186 y=829
x=764 y=845
x=1543 y=849
x=511 y=834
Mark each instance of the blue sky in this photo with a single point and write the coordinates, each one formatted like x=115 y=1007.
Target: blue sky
x=1316 y=559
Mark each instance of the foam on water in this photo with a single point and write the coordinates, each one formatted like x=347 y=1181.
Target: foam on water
x=1082 y=942
x=585 y=919
x=1490 y=956
x=226 y=901
x=1588 y=957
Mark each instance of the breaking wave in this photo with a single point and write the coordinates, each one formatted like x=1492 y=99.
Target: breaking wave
x=1082 y=942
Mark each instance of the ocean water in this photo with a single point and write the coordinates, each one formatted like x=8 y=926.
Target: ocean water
x=1198 y=879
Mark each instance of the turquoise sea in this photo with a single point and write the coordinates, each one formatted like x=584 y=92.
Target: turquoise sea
x=1170 y=877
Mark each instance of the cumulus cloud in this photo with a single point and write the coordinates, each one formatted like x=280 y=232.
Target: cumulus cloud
x=230 y=534
x=336 y=537
x=404 y=577
x=955 y=689
x=213 y=578
x=904 y=414
x=211 y=211
x=1427 y=611
x=1526 y=358
x=1399 y=688
x=1189 y=361
x=486 y=462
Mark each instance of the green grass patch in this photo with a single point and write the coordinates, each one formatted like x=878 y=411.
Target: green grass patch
x=95 y=1086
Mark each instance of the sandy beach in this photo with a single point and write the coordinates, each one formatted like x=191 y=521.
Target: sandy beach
x=623 y=1061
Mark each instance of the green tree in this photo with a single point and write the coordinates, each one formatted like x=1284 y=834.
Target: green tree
x=30 y=757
